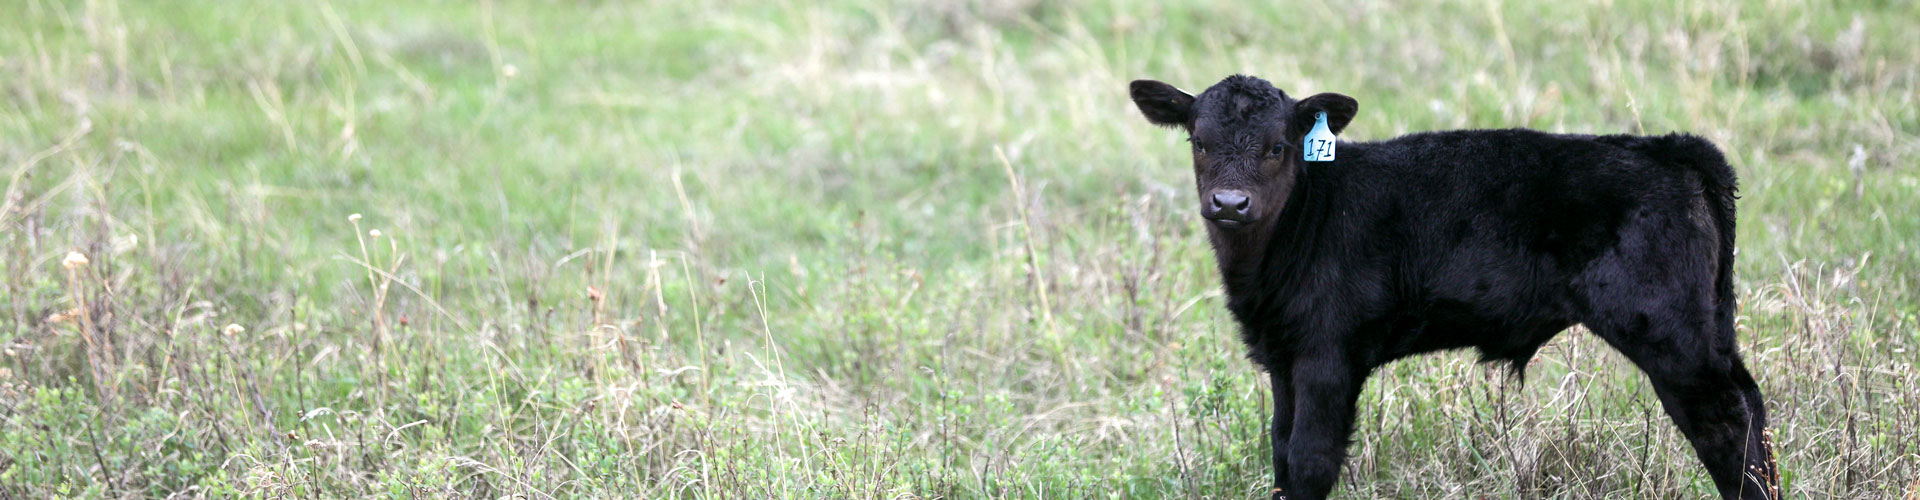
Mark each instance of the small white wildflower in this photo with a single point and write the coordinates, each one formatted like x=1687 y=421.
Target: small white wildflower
x=74 y=260
x=510 y=70
x=353 y=218
x=374 y=233
x=233 y=329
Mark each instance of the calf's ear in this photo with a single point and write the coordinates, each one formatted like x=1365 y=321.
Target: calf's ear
x=1163 y=104
x=1339 y=108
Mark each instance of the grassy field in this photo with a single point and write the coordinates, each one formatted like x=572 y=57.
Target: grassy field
x=860 y=248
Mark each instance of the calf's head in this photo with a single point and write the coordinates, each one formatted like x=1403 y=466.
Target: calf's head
x=1246 y=136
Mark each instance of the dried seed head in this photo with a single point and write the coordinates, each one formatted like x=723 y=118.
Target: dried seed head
x=64 y=316
x=74 y=260
x=355 y=218
x=233 y=329
x=375 y=233
x=509 y=70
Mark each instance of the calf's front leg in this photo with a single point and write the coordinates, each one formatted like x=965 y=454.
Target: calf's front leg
x=1282 y=426
x=1325 y=389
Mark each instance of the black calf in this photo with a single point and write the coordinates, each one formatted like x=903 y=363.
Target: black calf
x=1492 y=239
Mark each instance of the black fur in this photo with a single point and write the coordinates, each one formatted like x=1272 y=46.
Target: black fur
x=1491 y=239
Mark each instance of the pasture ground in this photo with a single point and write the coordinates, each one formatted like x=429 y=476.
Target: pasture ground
x=860 y=248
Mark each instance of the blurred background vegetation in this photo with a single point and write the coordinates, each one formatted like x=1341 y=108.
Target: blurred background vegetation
x=860 y=248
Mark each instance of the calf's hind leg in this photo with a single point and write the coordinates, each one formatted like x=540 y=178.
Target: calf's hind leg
x=1757 y=410
x=1707 y=392
x=1660 y=296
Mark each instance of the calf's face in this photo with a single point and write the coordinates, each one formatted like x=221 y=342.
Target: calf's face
x=1246 y=136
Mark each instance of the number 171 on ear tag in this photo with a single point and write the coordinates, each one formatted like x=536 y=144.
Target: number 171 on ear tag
x=1319 y=142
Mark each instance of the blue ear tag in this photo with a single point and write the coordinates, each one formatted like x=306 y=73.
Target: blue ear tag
x=1319 y=143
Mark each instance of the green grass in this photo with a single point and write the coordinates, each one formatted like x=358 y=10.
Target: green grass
x=772 y=250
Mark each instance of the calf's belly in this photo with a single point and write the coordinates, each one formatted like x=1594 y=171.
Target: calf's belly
x=1511 y=340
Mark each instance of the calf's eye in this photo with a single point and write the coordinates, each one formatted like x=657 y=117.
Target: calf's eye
x=1278 y=149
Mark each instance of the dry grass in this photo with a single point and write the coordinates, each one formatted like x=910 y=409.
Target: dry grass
x=860 y=249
